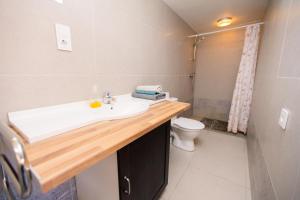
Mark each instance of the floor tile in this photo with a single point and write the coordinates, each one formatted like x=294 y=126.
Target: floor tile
x=217 y=169
x=227 y=190
x=200 y=185
x=222 y=156
x=179 y=162
x=195 y=185
x=233 y=169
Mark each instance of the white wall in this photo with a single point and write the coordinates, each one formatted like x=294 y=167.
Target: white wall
x=100 y=182
x=277 y=86
x=116 y=45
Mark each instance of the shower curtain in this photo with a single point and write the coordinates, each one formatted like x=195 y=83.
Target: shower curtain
x=242 y=95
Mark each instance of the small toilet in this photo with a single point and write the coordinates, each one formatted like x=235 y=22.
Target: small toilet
x=184 y=131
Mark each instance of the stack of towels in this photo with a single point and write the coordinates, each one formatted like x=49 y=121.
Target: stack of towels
x=150 y=92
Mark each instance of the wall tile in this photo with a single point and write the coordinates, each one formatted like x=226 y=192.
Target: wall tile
x=276 y=87
x=217 y=65
x=116 y=45
x=289 y=65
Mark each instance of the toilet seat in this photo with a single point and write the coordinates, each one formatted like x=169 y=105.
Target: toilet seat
x=188 y=124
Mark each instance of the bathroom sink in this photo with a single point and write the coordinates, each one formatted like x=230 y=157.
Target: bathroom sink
x=41 y=123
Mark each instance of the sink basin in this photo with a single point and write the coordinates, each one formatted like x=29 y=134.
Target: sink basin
x=41 y=123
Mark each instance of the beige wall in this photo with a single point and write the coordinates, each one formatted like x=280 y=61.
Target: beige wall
x=100 y=182
x=277 y=86
x=116 y=45
x=217 y=63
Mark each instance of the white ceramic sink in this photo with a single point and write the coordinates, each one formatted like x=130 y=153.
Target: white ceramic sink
x=41 y=123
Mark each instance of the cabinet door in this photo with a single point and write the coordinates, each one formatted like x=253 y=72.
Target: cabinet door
x=143 y=165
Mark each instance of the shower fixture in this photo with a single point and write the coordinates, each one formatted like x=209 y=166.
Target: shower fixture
x=223 y=30
x=196 y=42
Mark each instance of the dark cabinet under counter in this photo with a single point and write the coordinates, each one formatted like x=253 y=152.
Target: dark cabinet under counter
x=143 y=165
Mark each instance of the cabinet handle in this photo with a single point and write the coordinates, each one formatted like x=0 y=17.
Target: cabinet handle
x=129 y=186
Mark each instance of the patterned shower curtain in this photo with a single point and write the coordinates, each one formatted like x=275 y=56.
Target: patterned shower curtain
x=242 y=95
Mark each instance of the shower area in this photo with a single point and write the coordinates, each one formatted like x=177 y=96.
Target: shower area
x=217 y=59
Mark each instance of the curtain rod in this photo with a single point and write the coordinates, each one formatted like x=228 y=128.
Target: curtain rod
x=223 y=30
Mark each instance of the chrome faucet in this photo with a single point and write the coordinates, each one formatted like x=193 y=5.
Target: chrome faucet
x=107 y=98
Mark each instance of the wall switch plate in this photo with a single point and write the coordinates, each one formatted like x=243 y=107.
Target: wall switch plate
x=63 y=37
x=283 y=119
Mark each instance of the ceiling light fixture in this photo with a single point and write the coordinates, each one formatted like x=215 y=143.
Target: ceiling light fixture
x=226 y=21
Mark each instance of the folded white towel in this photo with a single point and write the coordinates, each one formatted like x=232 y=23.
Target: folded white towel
x=156 y=88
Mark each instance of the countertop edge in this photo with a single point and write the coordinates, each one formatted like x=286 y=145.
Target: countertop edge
x=50 y=183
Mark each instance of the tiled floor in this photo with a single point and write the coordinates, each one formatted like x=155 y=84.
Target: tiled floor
x=217 y=170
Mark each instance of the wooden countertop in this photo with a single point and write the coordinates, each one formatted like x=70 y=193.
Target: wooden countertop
x=62 y=157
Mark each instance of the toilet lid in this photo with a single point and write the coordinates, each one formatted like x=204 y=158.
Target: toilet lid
x=188 y=123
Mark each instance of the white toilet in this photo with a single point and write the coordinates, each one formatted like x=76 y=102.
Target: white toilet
x=184 y=131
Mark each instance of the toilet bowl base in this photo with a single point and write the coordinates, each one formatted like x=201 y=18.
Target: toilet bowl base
x=187 y=145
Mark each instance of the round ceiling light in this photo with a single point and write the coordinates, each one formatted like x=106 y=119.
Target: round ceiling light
x=224 y=21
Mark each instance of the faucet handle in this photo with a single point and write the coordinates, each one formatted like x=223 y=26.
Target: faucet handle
x=107 y=98
x=107 y=94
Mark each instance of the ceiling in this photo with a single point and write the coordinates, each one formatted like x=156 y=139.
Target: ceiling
x=202 y=15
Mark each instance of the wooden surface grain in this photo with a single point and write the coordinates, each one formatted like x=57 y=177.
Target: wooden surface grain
x=62 y=157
